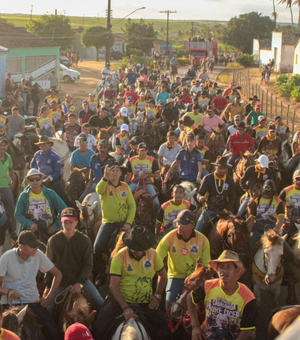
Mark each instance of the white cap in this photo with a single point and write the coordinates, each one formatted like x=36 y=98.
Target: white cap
x=263 y=160
x=124 y=111
x=124 y=127
x=34 y=172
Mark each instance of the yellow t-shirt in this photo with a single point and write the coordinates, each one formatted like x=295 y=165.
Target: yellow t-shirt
x=197 y=118
x=183 y=256
x=130 y=111
x=39 y=210
x=136 y=276
x=45 y=123
x=55 y=115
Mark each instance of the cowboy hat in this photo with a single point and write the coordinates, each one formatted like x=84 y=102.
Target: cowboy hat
x=44 y=140
x=228 y=256
x=34 y=172
x=222 y=161
x=139 y=238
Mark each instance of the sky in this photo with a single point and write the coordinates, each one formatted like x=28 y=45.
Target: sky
x=195 y=10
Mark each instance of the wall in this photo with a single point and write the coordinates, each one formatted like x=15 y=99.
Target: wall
x=47 y=59
x=265 y=56
x=287 y=60
x=296 y=68
x=277 y=48
x=2 y=73
x=256 y=50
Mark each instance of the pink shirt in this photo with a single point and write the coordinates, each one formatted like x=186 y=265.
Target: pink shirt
x=211 y=123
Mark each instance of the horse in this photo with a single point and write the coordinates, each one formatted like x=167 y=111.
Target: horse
x=21 y=321
x=167 y=186
x=76 y=184
x=62 y=149
x=131 y=329
x=230 y=233
x=173 y=71
x=178 y=311
x=145 y=209
x=90 y=213
x=281 y=320
x=267 y=265
x=190 y=188
x=216 y=143
x=104 y=134
x=26 y=143
x=293 y=270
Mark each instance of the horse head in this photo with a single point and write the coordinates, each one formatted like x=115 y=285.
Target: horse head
x=76 y=184
x=273 y=252
x=86 y=215
x=103 y=134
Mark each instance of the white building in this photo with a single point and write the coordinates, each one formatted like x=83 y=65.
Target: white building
x=296 y=68
x=262 y=51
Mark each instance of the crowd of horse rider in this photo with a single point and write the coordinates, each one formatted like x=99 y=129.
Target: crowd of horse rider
x=185 y=171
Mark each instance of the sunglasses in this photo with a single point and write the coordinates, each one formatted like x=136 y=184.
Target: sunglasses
x=34 y=179
x=82 y=142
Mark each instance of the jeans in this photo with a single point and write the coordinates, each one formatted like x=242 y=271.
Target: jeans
x=89 y=288
x=292 y=164
x=164 y=127
x=57 y=186
x=46 y=132
x=177 y=131
x=8 y=200
x=173 y=289
x=203 y=225
x=85 y=193
x=151 y=191
x=258 y=229
x=36 y=101
x=232 y=159
x=243 y=207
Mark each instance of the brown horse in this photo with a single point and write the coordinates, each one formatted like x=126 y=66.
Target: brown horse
x=76 y=184
x=145 y=209
x=282 y=320
x=230 y=233
x=178 y=310
x=104 y=134
x=167 y=186
x=216 y=143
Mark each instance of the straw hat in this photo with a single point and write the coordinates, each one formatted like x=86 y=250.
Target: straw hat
x=228 y=256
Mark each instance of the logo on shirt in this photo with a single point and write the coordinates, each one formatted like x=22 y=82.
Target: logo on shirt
x=110 y=193
x=184 y=251
x=147 y=264
x=265 y=177
x=173 y=250
x=225 y=186
x=123 y=194
x=194 y=249
x=129 y=268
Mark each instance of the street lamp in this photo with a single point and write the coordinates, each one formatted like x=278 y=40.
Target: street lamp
x=109 y=33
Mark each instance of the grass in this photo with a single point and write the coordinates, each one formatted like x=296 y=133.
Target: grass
x=225 y=76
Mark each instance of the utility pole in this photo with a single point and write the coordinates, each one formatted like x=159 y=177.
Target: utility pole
x=31 y=12
x=168 y=12
x=108 y=35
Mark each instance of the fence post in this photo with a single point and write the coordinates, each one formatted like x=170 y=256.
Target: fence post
x=287 y=114
x=271 y=105
x=276 y=106
x=293 y=123
x=256 y=88
x=267 y=99
x=252 y=90
x=281 y=109
x=262 y=100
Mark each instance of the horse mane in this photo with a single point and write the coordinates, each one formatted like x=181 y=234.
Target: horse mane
x=164 y=169
x=198 y=274
x=84 y=212
x=270 y=238
x=10 y=321
x=247 y=153
x=130 y=333
x=80 y=308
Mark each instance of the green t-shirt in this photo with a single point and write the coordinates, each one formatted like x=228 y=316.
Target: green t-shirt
x=197 y=118
x=4 y=167
x=136 y=276
x=254 y=117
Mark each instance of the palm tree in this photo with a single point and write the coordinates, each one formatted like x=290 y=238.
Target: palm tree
x=274 y=14
x=288 y=5
x=297 y=2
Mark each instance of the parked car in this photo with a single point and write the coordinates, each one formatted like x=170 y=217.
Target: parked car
x=65 y=61
x=115 y=55
x=68 y=75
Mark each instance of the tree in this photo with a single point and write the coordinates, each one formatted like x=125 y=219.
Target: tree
x=95 y=36
x=139 y=36
x=297 y=3
x=241 y=31
x=289 y=6
x=55 y=28
x=274 y=13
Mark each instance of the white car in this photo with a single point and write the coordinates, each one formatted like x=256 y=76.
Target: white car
x=68 y=75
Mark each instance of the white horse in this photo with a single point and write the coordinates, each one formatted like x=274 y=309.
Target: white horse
x=267 y=266
x=131 y=330
x=62 y=149
x=189 y=191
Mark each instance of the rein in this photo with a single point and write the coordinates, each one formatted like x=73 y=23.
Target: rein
x=64 y=298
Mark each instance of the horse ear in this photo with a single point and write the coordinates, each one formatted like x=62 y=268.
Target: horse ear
x=94 y=205
x=284 y=237
x=83 y=169
x=21 y=314
x=90 y=318
x=78 y=204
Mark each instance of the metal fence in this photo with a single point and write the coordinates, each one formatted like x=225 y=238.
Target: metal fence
x=271 y=106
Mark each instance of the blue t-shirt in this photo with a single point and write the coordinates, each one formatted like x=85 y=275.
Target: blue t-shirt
x=131 y=78
x=49 y=164
x=97 y=166
x=80 y=160
x=189 y=164
x=162 y=97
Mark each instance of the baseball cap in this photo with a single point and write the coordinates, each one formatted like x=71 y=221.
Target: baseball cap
x=28 y=238
x=91 y=94
x=296 y=174
x=124 y=127
x=237 y=117
x=124 y=112
x=257 y=106
x=103 y=142
x=69 y=214
x=142 y=146
x=260 y=118
x=83 y=136
x=151 y=101
x=263 y=160
x=85 y=102
x=277 y=118
x=272 y=127
x=136 y=140
x=78 y=331
x=185 y=217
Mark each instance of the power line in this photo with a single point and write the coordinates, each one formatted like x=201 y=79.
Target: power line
x=168 y=12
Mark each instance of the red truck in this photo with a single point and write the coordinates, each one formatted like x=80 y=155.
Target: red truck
x=201 y=49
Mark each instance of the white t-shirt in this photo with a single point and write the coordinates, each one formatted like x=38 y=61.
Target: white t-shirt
x=91 y=141
x=169 y=155
x=19 y=275
x=195 y=89
x=232 y=129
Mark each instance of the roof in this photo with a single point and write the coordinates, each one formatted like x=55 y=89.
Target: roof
x=17 y=37
x=265 y=44
x=290 y=38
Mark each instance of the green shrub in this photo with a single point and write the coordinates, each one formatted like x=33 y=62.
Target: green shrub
x=182 y=61
x=246 y=60
x=282 y=79
x=296 y=93
x=284 y=88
